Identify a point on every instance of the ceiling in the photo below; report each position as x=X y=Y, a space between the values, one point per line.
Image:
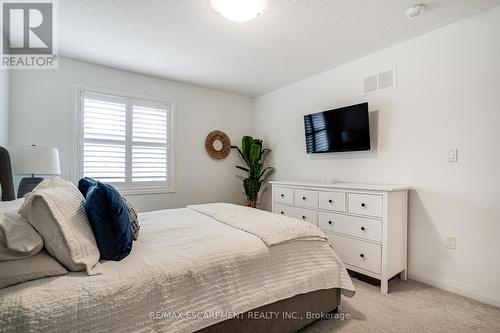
x=186 y=41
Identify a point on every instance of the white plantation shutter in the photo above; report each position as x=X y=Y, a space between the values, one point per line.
x=104 y=137
x=149 y=143
x=125 y=141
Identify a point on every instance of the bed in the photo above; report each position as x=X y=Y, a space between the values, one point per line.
x=187 y=272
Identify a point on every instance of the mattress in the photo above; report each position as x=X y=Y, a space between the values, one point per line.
x=187 y=271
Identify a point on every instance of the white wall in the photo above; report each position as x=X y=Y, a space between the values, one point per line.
x=448 y=96
x=41 y=109
x=4 y=107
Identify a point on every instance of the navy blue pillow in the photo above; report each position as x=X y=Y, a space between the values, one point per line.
x=110 y=221
x=84 y=184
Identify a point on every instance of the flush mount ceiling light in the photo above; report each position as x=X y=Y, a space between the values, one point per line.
x=415 y=10
x=239 y=10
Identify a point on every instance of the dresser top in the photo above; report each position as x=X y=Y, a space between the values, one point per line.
x=352 y=186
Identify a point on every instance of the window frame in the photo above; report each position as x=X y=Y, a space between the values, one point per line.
x=77 y=138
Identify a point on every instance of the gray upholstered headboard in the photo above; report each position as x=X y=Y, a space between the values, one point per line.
x=6 y=180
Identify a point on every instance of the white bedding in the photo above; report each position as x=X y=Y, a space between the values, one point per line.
x=273 y=229
x=187 y=271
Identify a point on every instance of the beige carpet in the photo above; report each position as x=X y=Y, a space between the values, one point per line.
x=409 y=307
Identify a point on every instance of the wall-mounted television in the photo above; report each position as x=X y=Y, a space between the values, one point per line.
x=338 y=130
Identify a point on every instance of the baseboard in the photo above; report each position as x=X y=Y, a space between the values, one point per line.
x=460 y=288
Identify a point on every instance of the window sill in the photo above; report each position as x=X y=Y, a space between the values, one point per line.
x=145 y=190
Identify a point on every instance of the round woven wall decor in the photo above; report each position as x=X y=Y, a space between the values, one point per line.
x=218 y=145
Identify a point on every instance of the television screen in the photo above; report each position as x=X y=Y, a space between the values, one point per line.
x=344 y=129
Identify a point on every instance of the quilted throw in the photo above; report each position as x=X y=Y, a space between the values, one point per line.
x=272 y=229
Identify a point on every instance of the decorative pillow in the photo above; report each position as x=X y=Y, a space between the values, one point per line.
x=84 y=184
x=58 y=215
x=109 y=219
x=38 y=266
x=18 y=239
x=134 y=220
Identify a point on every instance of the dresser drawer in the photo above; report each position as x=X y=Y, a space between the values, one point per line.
x=332 y=201
x=365 y=204
x=302 y=214
x=357 y=253
x=352 y=226
x=284 y=210
x=305 y=198
x=308 y=215
x=283 y=195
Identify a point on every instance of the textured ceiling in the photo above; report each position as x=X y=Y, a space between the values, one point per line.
x=185 y=40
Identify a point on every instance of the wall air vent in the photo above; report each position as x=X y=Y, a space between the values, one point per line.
x=371 y=84
x=379 y=82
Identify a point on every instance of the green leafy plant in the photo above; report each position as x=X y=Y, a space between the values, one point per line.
x=253 y=155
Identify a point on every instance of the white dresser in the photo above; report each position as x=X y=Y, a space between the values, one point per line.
x=366 y=224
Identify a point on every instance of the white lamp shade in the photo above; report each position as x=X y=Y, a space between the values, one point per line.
x=36 y=160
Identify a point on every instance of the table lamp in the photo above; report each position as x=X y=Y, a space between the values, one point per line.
x=33 y=160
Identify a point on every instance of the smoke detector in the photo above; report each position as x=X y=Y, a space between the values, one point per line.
x=415 y=11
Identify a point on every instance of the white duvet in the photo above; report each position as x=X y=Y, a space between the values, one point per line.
x=187 y=271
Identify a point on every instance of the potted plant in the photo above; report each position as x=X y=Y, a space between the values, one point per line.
x=253 y=155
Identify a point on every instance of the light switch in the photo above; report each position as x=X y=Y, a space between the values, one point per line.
x=450 y=242
x=453 y=155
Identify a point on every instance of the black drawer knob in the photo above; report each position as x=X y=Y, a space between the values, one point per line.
x=303 y=217
x=362 y=255
x=363 y=205
x=304 y=198
x=363 y=228
x=282 y=195
x=330 y=222
x=282 y=212
x=330 y=201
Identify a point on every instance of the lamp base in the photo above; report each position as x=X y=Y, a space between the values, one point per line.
x=27 y=185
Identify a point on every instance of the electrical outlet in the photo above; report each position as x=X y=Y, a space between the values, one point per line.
x=453 y=155
x=450 y=242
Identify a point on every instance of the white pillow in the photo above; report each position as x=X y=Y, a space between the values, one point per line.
x=58 y=215
x=53 y=183
x=18 y=239
x=7 y=206
x=38 y=266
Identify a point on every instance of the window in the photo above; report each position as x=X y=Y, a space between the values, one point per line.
x=125 y=141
